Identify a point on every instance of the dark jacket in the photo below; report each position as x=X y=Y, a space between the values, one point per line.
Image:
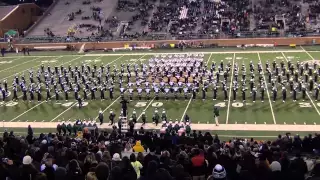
x=28 y=172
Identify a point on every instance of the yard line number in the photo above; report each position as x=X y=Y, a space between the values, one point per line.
x=234 y=104
x=143 y=104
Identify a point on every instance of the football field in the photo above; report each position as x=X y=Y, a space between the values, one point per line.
x=234 y=115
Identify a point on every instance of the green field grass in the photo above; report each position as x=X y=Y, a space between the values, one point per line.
x=199 y=111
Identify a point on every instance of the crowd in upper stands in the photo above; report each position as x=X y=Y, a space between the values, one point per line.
x=193 y=17
x=152 y=156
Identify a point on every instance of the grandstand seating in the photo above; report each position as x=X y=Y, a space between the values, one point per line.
x=59 y=21
x=207 y=18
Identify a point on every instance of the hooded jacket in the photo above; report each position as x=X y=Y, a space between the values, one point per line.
x=138 y=147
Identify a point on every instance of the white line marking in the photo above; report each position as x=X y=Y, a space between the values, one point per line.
x=88 y=94
x=185 y=111
x=26 y=111
x=146 y=108
x=108 y=107
x=208 y=59
x=64 y=111
x=305 y=52
x=306 y=91
x=34 y=67
x=266 y=84
x=230 y=87
x=19 y=64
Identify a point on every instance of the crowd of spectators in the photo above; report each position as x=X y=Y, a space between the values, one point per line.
x=141 y=13
x=149 y=155
x=290 y=14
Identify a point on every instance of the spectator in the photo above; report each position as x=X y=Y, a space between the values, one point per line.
x=198 y=165
x=150 y=157
x=140 y=157
x=127 y=170
x=116 y=173
x=316 y=172
x=180 y=174
x=28 y=171
x=74 y=171
x=275 y=167
x=102 y=171
x=218 y=173
x=298 y=168
x=60 y=173
x=116 y=160
x=91 y=176
x=137 y=166
x=150 y=171
x=138 y=147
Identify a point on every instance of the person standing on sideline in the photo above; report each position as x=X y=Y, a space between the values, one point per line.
x=216 y=115
x=100 y=117
x=124 y=103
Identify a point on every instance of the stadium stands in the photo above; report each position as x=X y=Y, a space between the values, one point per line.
x=69 y=17
x=148 y=155
x=182 y=19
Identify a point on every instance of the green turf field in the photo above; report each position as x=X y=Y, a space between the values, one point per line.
x=199 y=111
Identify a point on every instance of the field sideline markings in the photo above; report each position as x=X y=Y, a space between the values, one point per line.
x=25 y=112
x=266 y=84
x=27 y=69
x=185 y=111
x=231 y=81
x=208 y=59
x=51 y=59
x=19 y=64
x=43 y=101
x=88 y=93
x=146 y=108
x=108 y=107
x=306 y=91
x=205 y=52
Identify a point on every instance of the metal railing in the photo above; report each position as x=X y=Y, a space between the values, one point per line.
x=164 y=36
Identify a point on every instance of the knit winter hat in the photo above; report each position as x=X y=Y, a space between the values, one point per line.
x=219 y=172
x=275 y=166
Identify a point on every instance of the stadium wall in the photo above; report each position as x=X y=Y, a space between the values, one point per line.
x=20 y=18
x=218 y=42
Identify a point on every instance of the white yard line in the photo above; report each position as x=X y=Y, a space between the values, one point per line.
x=90 y=93
x=306 y=52
x=64 y=112
x=45 y=101
x=146 y=108
x=108 y=107
x=266 y=84
x=185 y=111
x=230 y=87
x=190 y=52
x=208 y=59
x=35 y=67
x=19 y=64
x=26 y=111
x=51 y=59
x=306 y=91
